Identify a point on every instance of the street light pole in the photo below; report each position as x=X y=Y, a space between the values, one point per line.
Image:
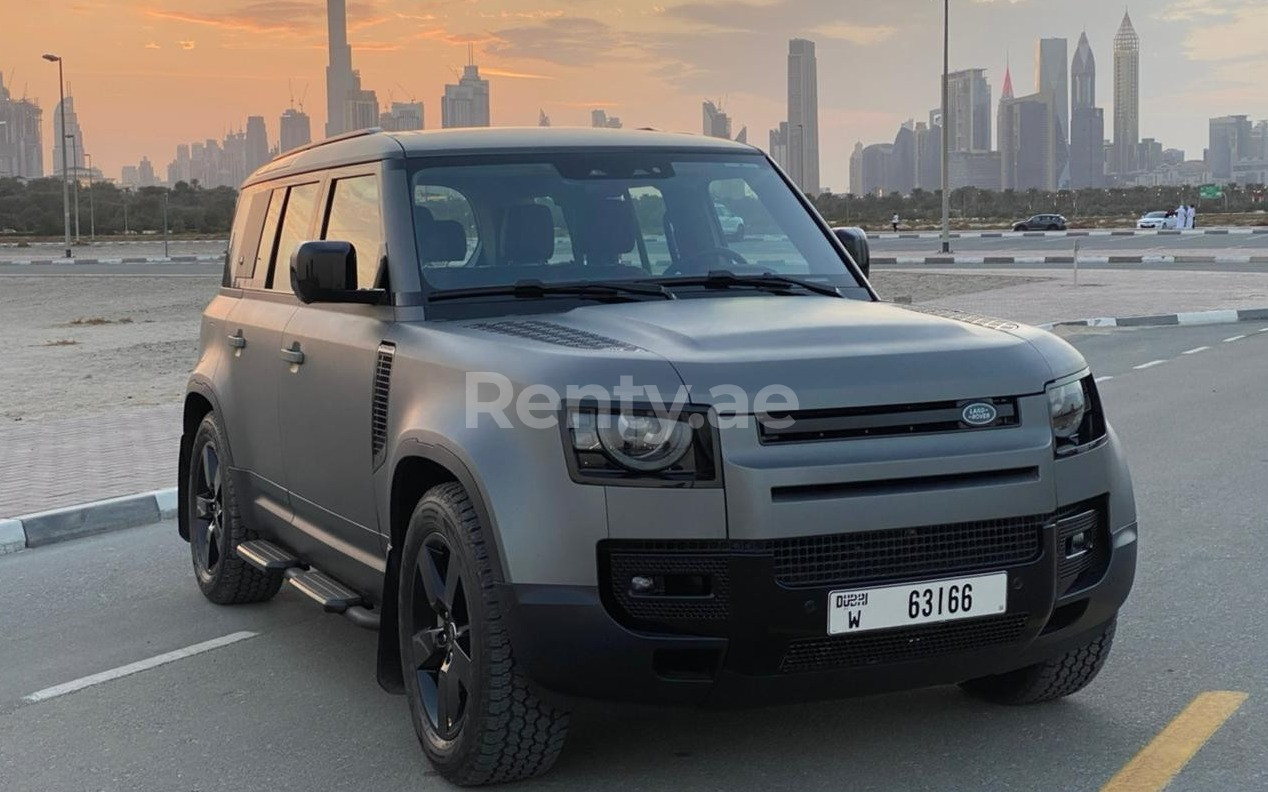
x=946 y=140
x=165 y=255
x=61 y=90
x=74 y=157
x=92 y=204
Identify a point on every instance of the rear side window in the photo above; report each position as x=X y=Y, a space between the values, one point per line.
x=268 y=238
x=244 y=237
x=297 y=226
x=355 y=217
x=444 y=226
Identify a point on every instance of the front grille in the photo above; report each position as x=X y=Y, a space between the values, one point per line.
x=908 y=553
x=889 y=420
x=901 y=645
x=714 y=607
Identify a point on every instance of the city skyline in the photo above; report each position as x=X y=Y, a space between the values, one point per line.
x=568 y=61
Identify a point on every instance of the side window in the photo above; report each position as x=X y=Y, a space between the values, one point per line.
x=649 y=209
x=563 y=237
x=241 y=243
x=749 y=229
x=355 y=217
x=297 y=224
x=444 y=227
x=268 y=238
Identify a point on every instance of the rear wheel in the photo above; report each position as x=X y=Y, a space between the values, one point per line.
x=1061 y=676
x=475 y=715
x=216 y=526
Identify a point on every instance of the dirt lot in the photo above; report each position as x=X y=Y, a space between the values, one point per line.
x=77 y=344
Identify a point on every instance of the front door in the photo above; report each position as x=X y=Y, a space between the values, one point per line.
x=325 y=396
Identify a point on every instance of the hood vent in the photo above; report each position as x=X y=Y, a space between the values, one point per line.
x=557 y=334
x=378 y=405
x=968 y=318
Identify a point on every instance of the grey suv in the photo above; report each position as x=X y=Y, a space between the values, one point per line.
x=522 y=402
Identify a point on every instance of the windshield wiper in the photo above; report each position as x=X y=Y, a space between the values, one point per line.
x=725 y=279
x=535 y=289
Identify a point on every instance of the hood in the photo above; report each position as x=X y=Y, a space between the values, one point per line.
x=828 y=352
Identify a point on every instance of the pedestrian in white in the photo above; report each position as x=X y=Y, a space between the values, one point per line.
x=1191 y=219
x=894 y=222
x=1181 y=215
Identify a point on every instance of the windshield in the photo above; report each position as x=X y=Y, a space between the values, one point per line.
x=1156 y=214
x=610 y=217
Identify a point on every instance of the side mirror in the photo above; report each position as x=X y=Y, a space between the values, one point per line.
x=326 y=271
x=855 y=242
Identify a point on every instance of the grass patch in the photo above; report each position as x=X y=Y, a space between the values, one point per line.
x=61 y=342
x=93 y=321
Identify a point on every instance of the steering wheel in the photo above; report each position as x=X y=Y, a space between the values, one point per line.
x=679 y=267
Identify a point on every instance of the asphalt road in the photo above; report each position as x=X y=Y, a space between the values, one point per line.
x=1056 y=245
x=295 y=706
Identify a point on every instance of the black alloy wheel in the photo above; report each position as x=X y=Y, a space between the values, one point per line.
x=440 y=646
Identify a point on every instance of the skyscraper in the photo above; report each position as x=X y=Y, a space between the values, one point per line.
x=803 y=115
x=257 y=142
x=21 y=137
x=75 y=157
x=296 y=130
x=1087 y=121
x=1028 y=142
x=1052 y=74
x=403 y=117
x=599 y=119
x=969 y=110
x=1126 y=97
x=779 y=146
x=716 y=123
x=543 y=120
x=467 y=103
x=341 y=80
x=1230 y=141
x=856 y=169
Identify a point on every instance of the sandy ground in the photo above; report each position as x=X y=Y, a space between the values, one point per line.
x=77 y=344
x=141 y=354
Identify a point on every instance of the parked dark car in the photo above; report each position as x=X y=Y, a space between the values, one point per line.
x=1042 y=222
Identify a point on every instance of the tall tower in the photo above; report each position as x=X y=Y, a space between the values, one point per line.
x=467 y=103
x=1052 y=75
x=340 y=79
x=1083 y=75
x=969 y=111
x=1087 y=121
x=803 y=115
x=1126 y=97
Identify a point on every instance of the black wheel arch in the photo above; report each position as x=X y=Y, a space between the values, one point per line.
x=417 y=467
x=199 y=402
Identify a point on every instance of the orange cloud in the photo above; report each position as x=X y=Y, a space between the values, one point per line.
x=494 y=72
x=186 y=45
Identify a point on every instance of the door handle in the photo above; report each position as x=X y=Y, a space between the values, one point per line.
x=293 y=355
x=237 y=340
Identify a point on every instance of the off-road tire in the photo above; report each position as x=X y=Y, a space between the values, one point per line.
x=507 y=732
x=232 y=581
x=1052 y=679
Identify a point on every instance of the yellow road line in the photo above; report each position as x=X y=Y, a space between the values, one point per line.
x=1152 y=769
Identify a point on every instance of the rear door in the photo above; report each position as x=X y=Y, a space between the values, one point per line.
x=254 y=337
x=326 y=401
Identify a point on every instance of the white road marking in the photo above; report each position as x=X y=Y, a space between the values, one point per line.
x=1231 y=339
x=1195 y=350
x=133 y=668
x=1104 y=379
x=1262 y=330
x=1150 y=364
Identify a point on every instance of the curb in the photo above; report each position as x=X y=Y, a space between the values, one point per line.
x=1078 y=232
x=1189 y=318
x=123 y=260
x=87 y=519
x=1066 y=259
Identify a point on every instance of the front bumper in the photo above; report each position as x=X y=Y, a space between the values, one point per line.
x=767 y=642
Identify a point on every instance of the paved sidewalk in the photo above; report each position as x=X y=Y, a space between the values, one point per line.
x=51 y=463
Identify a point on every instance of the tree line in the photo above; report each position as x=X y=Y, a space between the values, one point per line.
x=34 y=208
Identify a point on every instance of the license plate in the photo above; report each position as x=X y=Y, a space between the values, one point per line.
x=860 y=610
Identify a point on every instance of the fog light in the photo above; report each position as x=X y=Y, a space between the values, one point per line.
x=642 y=584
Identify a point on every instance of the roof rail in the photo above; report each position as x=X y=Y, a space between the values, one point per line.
x=319 y=143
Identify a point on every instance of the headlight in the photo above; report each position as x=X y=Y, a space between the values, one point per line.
x=639 y=447
x=1067 y=404
x=1075 y=412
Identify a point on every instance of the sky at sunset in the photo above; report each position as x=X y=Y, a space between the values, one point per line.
x=148 y=74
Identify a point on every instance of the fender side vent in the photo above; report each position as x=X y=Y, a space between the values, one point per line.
x=378 y=405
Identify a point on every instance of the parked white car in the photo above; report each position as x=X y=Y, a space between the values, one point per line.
x=1159 y=220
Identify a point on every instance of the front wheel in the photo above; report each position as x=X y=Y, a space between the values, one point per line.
x=1059 y=677
x=474 y=713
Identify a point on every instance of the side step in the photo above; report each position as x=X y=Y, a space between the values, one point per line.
x=266 y=556
x=332 y=595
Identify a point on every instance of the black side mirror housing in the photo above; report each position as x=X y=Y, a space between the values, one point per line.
x=855 y=242
x=326 y=271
